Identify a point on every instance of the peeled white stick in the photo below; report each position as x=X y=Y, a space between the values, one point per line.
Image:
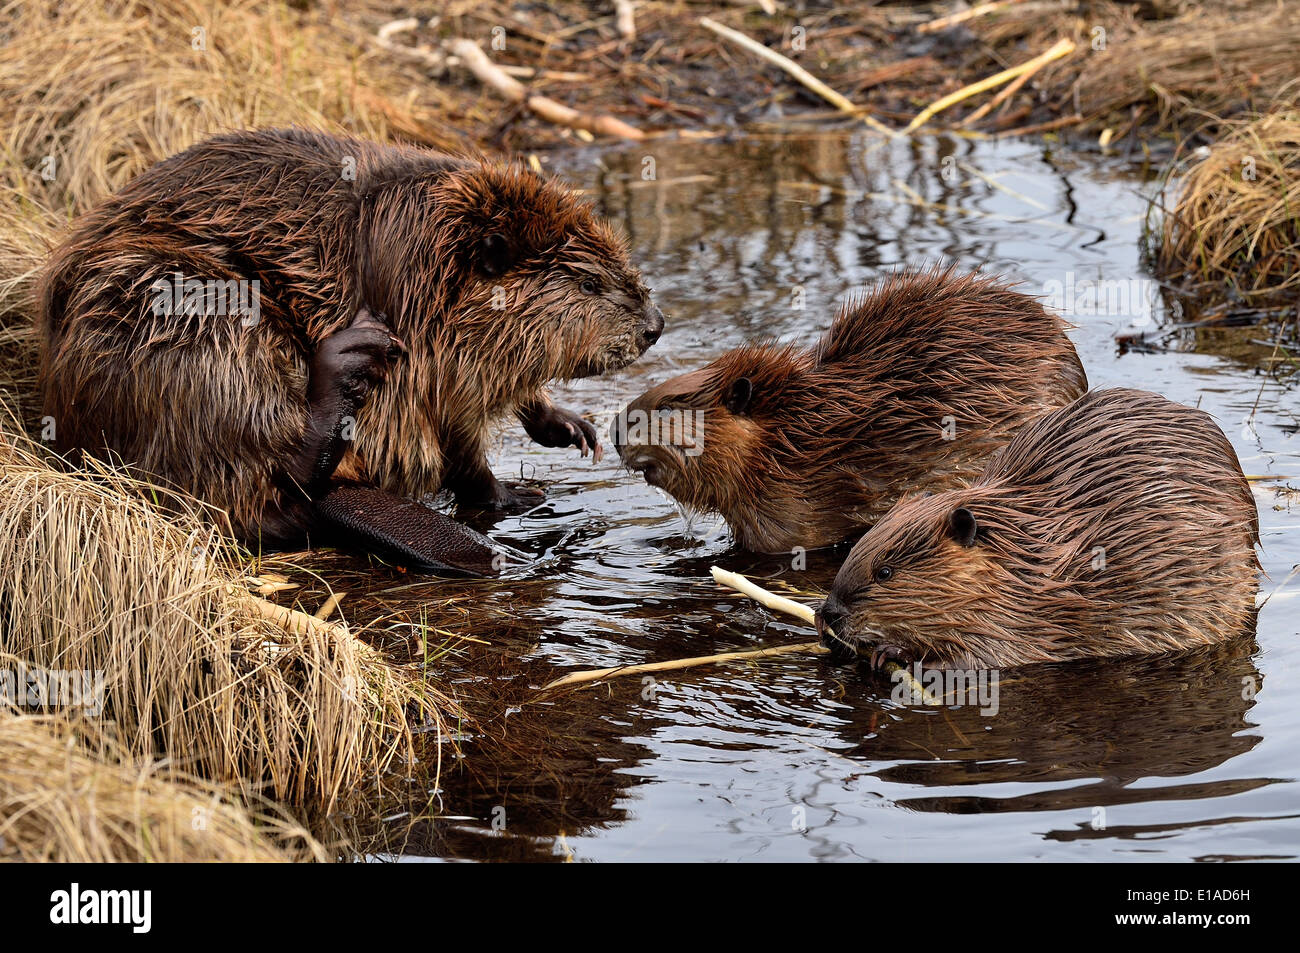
x=625 y=19
x=477 y=62
x=968 y=14
x=1063 y=47
x=291 y=620
x=770 y=600
x=805 y=78
x=734 y=580
x=597 y=674
x=332 y=603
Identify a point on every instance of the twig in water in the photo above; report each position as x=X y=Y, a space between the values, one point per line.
x=765 y=598
x=595 y=675
x=989 y=180
x=771 y=600
x=1295 y=571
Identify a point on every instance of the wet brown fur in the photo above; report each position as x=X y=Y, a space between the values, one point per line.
x=836 y=433
x=1119 y=525
x=214 y=407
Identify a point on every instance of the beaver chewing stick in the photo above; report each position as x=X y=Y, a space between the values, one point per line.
x=1121 y=524
x=308 y=330
x=912 y=387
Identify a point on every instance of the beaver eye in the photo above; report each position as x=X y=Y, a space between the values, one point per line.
x=884 y=574
x=588 y=287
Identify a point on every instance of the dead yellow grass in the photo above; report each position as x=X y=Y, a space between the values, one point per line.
x=93 y=578
x=59 y=804
x=1158 y=69
x=94 y=91
x=1208 y=62
x=106 y=89
x=1231 y=222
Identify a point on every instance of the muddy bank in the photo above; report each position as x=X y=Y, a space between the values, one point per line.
x=1138 y=77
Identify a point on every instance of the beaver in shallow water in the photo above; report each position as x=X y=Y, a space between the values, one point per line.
x=913 y=387
x=233 y=316
x=1118 y=525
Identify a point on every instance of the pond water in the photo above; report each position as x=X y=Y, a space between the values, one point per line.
x=1186 y=758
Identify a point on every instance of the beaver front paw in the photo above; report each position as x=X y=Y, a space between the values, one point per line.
x=553 y=426
x=350 y=363
x=344 y=370
x=518 y=496
x=513 y=497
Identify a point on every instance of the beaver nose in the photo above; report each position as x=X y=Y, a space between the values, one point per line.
x=830 y=620
x=654 y=326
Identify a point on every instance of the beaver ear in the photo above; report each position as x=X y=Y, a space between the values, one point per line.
x=742 y=390
x=962 y=526
x=495 y=255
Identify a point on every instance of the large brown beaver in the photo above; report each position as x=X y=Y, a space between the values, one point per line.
x=912 y=387
x=268 y=312
x=1121 y=524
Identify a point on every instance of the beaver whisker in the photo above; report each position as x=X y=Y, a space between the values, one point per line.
x=692 y=516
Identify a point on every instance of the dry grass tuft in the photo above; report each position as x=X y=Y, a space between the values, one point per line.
x=95 y=91
x=1211 y=61
x=94 y=578
x=1231 y=226
x=1160 y=68
x=59 y=804
x=106 y=89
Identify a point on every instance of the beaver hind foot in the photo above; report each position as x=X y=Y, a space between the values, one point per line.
x=408 y=532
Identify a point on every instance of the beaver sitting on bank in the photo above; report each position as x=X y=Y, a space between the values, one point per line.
x=1121 y=524
x=269 y=315
x=913 y=387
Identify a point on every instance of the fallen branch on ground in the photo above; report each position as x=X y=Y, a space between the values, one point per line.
x=437 y=61
x=962 y=16
x=1059 y=123
x=1063 y=47
x=488 y=73
x=1004 y=94
x=332 y=603
x=807 y=79
x=291 y=620
x=625 y=19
